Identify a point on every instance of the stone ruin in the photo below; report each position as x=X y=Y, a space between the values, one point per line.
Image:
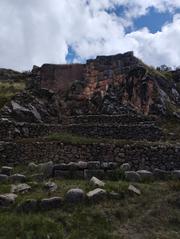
x=111 y=97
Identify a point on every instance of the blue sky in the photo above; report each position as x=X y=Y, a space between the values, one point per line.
x=68 y=31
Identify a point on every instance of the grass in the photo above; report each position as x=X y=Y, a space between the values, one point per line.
x=8 y=90
x=154 y=214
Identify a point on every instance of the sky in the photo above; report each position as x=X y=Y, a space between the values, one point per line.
x=33 y=32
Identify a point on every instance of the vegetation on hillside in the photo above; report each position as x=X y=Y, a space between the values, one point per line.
x=8 y=89
x=154 y=214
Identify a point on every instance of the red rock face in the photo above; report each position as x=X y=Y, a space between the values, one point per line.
x=60 y=77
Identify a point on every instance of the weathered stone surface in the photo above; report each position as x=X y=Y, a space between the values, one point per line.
x=32 y=167
x=17 y=178
x=51 y=203
x=176 y=174
x=145 y=175
x=125 y=167
x=50 y=186
x=97 y=195
x=132 y=176
x=6 y=170
x=82 y=165
x=3 y=178
x=46 y=169
x=96 y=182
x=29 y=205
x=75 y=195
x=20 y=188
x=7 y=199
x=134 y=190
x=89 y=173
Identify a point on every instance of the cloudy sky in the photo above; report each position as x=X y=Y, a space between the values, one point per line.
x=33 y=32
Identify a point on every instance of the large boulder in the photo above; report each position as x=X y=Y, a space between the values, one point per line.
x=7 y=200
x=75 y=195
x=145 y=175
x=132 y=176
x=51 y=203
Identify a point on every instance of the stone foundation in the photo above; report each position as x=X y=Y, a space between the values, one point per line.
x=139 y=156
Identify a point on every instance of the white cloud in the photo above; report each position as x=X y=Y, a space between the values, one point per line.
x=35 y=31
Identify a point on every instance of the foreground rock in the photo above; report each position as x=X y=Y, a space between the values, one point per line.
x=3 y=178
x=134 y=190
x=75 y=195
x=7 y=200
x=97 y=195
x=132 y=176
x=20 y=188
x=46 y=169
x=145 y=175
x=51 y=203
x=17 y=178
x=6 y=170
x=96 y=182
x=50 y=186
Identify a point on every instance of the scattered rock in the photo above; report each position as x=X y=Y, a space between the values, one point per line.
x=82 y=165
x=96 y=182
x=133 y=189
x=125 y=167
x=97 y=194
x=3 y=178
x=32 y=167
x=15 y=178
x=50 y=186
x=6 y=170
x=145 y=175
x=46 y=169
x=75 y=195
x=29 y=205
x=132 y=176
x=176 y=174
x=7 y=199
x=51 y=203
x=20 y=188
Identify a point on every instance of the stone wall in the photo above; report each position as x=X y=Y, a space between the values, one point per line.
x=140 y=156
x=60 y=77
x=13 y=130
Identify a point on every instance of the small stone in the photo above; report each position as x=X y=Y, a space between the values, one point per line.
x=50 y=186
x=125 y=167
x=133 y=189
x=20 y=188
x=75 y=195
x=97 y=194
x=96 y=182
x=6 y=170
x=7 y=199
x=32 y=167
x=51 y=203
x=29 y=205
x=17 y=178
x=176 y=174
x=145 y=175
x=132 y=176
x=46 y=169
x=3 y=178
x=82 y=165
